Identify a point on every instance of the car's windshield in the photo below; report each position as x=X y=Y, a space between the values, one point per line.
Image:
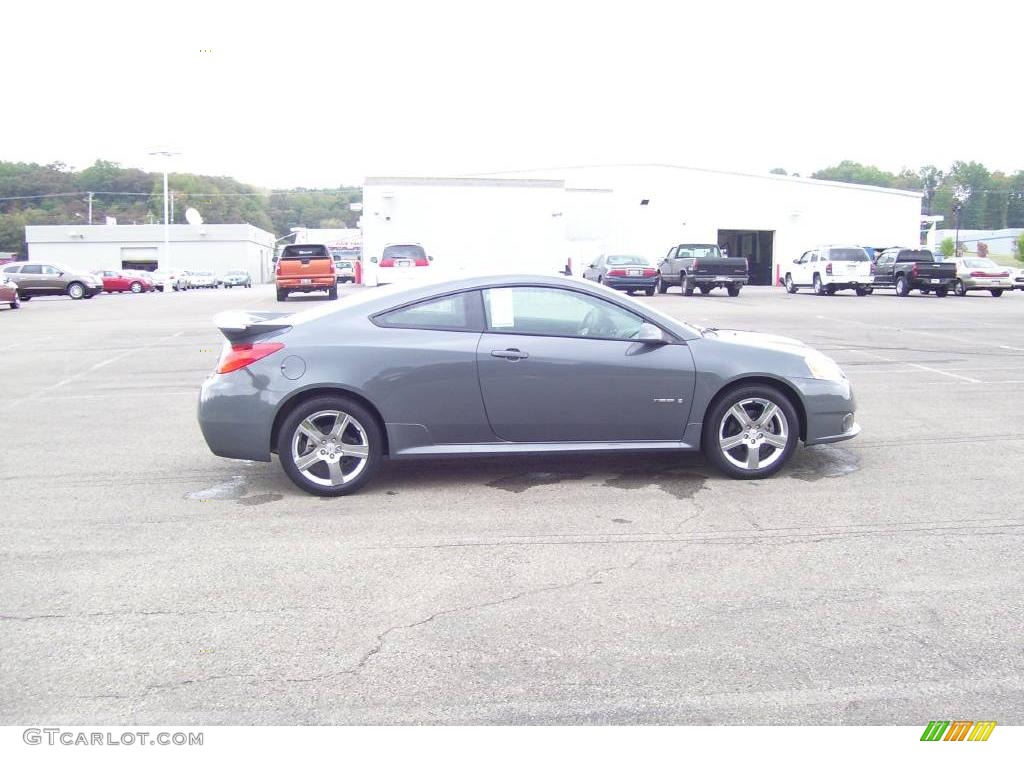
x=616 y=261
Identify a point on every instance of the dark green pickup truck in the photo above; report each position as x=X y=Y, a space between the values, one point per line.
x=701 y=266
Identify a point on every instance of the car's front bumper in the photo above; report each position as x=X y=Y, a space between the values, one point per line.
x=830 y=408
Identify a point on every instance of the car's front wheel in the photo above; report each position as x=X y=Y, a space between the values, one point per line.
x=16 y=301
x=791 y=287
x=662 y=286
x=959 y=288
x=330 y=446
x=136 y=287
x=76 y=290
x=751 y=432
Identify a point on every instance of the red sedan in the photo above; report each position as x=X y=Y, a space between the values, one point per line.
x=119 y=282
x=9 y=293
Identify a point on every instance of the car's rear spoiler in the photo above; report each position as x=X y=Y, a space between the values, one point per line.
x=239 y=325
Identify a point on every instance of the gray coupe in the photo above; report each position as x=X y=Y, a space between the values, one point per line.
x=520 y=364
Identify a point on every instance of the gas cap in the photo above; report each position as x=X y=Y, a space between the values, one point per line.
x=293 y=367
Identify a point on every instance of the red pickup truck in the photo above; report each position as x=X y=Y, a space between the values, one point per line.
x=305 y=268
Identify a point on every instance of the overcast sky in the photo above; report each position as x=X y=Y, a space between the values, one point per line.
x=317 y=94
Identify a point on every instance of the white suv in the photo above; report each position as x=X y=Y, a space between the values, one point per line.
x=832 y=268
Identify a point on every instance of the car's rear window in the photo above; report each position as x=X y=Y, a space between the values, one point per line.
x=617 y=261
x=915 y=256
x=404 y=252
x=453 y=313
x=848 y=254
x=980 y=264
x=305 y=252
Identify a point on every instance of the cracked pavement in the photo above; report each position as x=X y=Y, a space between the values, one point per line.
x=147 y=581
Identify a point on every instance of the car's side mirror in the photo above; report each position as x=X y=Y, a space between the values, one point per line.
x=592 y=266
x=796 y=261
x=430 y=258
x=651 y=334
x=373 y=259
x=273 y=260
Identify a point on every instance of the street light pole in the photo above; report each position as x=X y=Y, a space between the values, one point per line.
x=166 y=256
x=90 y=208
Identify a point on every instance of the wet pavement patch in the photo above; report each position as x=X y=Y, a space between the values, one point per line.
x=621 y=520
x=229 y=489
x=527 y=480
x=820 y=461
x=681 y=483
x=262 y=498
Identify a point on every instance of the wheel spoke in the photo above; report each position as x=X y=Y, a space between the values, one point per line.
x=728 y=443
x=357 y=451
x=341 y=423
x=753 y=456
x=775 y=441
x=307 y=461
x=334 y=469
x=740 y=415
x=767 y=415
x=310 y=430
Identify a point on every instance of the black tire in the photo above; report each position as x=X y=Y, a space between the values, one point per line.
x=24 y=297
x=136 y=287
x=684 y=283
x=713 y=424
x=734 y=290
x=365 y=419
x=997 y=292
x=791 y=287
x=863 y=291
x=648 y=291
x=16 y=304
x=942 y=292
x=76 y=291
x=959 y=288
x=662 y=286
x=332 y=293
x=902 y=286
x=819 y=289
x=282 y=295
x=925 y=291
x=629 y=291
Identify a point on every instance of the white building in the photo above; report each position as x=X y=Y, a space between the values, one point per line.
x=205 y=247
x=534 y=220
x=1000 y=242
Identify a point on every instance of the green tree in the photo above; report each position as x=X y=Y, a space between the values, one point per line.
x=855 y=173
x=1018 y=247
x=947 y=248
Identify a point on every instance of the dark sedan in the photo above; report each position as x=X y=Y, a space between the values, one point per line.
x=624 y=273
x=500 y=365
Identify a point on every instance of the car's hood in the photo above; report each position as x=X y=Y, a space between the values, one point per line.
x=754 y=339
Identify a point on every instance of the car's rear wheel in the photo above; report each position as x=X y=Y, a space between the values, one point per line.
x=791 y=287
x=330 y=446
x=925 y=291
x=942 y=292
x=629 y=292
x=649 y=291
x=902 y=286
x=863 y=291
x=751 y=431
x=734 y=290
x=16 y=301
x=997 y=292
x=959 y=288
x=686 y=285
x=819 y=289
x=332 y=293
x=282 y=295
x=76 y=290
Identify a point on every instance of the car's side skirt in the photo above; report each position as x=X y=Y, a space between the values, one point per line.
x=470 y=449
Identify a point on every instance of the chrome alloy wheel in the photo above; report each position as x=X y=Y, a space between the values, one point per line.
x=753 y=433
x=330 y=448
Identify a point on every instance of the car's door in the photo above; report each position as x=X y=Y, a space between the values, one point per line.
x=558 y=365
x=594 y=269
x=800 y=273
x=30 y=279
x=667 y=266
x=50 y=279
x=884 y=268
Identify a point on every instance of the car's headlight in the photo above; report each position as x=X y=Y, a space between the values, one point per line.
x=824 y=367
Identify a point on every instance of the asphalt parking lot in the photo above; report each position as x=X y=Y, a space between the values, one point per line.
x=877 y=581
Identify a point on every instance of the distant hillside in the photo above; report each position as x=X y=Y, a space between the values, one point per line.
x=56 y=194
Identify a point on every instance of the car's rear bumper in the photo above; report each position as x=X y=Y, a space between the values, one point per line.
x=849 y=282
x=314 y=284
x=719 y=281
x=630 y=283
x=979 y=283
x=234 y=417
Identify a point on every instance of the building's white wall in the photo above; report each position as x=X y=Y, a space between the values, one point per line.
x=210 y=247
x=467 y=225
x=1000 y=241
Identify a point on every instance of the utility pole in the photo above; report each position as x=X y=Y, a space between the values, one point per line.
x=172 y=207
x=165 y=257
x=90 y=208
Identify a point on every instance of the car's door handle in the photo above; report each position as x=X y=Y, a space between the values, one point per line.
x=509 y=354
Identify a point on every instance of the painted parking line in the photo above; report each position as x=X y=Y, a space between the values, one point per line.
x=27 y=341
x=930 y=334
x=945 y=373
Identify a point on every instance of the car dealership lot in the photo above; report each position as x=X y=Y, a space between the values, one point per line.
x=877 y=581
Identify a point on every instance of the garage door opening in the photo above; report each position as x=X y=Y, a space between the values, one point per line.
x=139 y=258
x=753 y=245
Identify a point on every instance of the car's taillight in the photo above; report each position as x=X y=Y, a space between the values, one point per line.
x=828 y=268
x=871 y=268
x=650 y=272
x=278 y=270
x=422 y=263
x=240 y=355
x=913 y=270
x=387 y=262
x=616 y=273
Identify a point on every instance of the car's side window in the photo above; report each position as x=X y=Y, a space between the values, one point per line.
x=32 y=269
x=805 y=257
x=539 y=311
x=12 y=269
x=457 y=312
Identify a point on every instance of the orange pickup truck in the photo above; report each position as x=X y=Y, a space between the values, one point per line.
x=305 y=268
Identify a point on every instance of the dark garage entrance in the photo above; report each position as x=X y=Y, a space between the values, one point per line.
x=753 y=245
